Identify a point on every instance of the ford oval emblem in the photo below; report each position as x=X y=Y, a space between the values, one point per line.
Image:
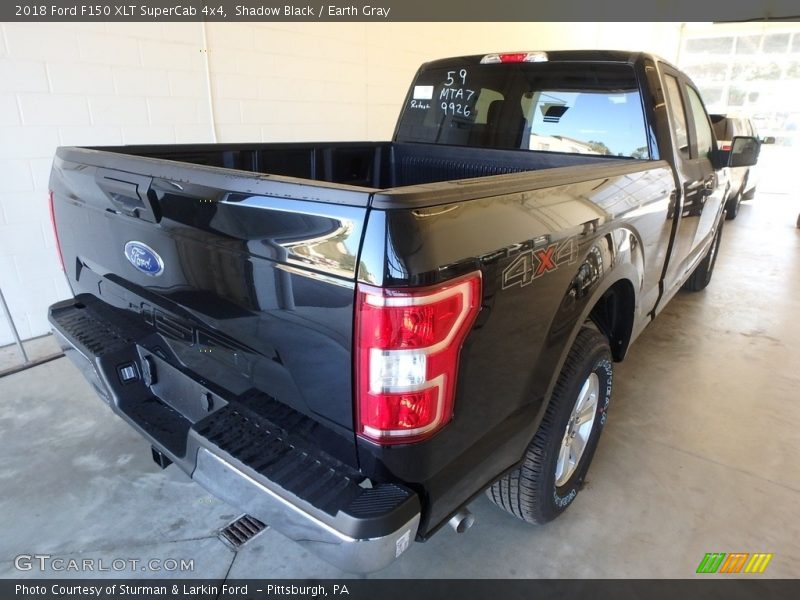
x=144 y=258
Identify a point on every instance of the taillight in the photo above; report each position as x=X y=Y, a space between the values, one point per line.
x=725 y=146
x=408 y=343
x=514 y=57
x=55 y=232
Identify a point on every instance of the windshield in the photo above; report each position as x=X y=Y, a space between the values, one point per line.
x=577 y=108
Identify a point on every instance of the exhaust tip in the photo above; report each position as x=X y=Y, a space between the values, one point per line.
x=462 y=520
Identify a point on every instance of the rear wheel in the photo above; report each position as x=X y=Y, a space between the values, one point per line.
x=559 y=456
x=701 y=276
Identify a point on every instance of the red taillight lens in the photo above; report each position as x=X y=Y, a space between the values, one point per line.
x=408 y=411
x=725 y=146
x=513 y=57
x=415 y=326
x=408 y=343
x=55 y=231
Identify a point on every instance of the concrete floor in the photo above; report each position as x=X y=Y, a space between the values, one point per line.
x=36 y=349
x=700 y=454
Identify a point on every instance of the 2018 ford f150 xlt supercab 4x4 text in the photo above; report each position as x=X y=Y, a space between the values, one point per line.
x=350 y=341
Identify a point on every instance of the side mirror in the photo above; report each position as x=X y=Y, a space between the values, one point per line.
x=768 y=140
x=744 y=152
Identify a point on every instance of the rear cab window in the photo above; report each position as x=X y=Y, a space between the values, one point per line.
x=578 y=108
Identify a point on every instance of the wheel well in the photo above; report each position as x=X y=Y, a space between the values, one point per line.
x=613 y=316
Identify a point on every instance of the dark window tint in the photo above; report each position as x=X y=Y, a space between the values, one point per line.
x=564 y=107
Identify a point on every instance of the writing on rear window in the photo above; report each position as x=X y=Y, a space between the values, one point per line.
x=574 y=108
x=454 y=95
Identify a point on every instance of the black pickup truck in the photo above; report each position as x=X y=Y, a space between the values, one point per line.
x=350 y=341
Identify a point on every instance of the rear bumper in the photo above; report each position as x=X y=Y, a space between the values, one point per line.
x=254 y=464
x=356 y=555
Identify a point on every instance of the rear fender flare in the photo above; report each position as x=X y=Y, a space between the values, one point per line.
x=620 y=251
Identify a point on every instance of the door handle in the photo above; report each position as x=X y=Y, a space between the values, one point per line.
x=129 y=193
x=703 y=189
x=709 y=185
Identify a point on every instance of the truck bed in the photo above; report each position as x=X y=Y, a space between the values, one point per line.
x=261 y=247
x=372 y=165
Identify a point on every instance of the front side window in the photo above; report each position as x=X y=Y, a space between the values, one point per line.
x=548 y=107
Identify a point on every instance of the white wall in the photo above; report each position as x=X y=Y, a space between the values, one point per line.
x=125 y=83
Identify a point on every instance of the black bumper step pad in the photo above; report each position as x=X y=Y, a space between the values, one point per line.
x=107 y=337
x=97 y=328
x=302 y=470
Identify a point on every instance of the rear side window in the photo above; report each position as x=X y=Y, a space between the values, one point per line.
x=579 y=108
x=705 y=139
x=677 y=115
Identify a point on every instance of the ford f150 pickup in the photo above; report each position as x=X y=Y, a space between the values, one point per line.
x=350 y=341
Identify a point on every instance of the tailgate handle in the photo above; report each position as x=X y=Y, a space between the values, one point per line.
x=129 y=193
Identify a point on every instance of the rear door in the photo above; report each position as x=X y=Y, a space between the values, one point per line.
x=697 y=181
x=703 y=146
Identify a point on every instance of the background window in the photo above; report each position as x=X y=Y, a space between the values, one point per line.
x=758 y=78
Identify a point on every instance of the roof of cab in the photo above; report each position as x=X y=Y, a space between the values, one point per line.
x=618 y=56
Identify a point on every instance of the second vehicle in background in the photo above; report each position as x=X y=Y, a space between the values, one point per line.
x=743 y=179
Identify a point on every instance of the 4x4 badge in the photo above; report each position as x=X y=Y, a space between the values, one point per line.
x=534 y=263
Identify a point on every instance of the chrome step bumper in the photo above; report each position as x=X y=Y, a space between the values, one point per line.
x=355 y=555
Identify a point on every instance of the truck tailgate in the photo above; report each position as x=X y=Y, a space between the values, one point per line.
x=242 y=281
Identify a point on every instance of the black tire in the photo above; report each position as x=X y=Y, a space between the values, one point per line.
x=732 y=206
x=747 y=195
x=530 y=492
x=701 y=276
